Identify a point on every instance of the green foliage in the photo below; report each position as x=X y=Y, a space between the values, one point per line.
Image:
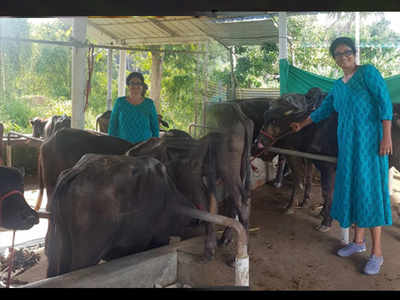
x=52 y=64
x=45 y=70
x=309 y=43
x=178 y=93
x=14 y=114
x=14 y=54
x=255 y=65
x=381 y=53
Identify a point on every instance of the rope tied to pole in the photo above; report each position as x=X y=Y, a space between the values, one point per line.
x=10 y=261
x=90 y=72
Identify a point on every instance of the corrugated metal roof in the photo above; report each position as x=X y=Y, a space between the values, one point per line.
x=140 y=30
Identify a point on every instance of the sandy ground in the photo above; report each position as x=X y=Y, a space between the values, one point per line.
x=286 y=253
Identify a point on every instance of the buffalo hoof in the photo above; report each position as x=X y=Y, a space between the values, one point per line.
x=322 y=228
x=231 y=262
x=289 y=211
x=227 y=237
x=305 y=204
x=278 y=185
x=205 y=259
x=209 y=255
x=224 y=242
x=316 y=210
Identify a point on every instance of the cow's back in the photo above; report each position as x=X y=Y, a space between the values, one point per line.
x=63 y=149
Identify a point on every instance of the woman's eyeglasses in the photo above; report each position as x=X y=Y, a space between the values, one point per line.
x=345 y=53
x=130 y=83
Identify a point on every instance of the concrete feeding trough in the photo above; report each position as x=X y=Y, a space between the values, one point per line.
x=175 y=265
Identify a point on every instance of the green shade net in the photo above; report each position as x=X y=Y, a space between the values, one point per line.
x=295 y=80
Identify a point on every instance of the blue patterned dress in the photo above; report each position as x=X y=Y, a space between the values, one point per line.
x=134 y=123
x=361 y=194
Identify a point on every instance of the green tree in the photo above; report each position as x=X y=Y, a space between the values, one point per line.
x=14 y=55
x=52 y=63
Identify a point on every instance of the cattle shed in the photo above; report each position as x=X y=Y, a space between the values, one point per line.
x=173 y=265
x=128 y=33
x=152 y=33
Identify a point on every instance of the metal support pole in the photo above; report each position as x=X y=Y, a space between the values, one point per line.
x=155 y=77
x=331 y=159
x=283 y=52
x=357 y=39
x=205 y=97
x=78 y=73
x=109 y=79
x=121 y=74
x=233 y=81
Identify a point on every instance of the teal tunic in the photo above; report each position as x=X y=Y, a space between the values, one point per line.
x=134 y=123
x=361 y=194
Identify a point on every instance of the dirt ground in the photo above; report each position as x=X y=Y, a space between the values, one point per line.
x=286 y=253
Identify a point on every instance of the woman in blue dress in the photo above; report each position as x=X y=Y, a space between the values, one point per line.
x=361 y=194
x=134 y=117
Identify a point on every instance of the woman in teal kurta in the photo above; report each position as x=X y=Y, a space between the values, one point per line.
x=361 y=195
x=134 y=118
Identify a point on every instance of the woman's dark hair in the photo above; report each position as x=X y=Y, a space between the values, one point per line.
x=140 y=76
x=342 y=41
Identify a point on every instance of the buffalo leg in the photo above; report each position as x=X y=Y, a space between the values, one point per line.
x=308 y=168
x=211 y=240
x=296 y=164
x=327 y=184
x=229 y=212
x=280 y=171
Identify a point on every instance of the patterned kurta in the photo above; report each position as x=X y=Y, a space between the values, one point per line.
x=361 y=194
x=134 y=123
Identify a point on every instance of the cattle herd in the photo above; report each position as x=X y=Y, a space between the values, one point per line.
x=108 y=198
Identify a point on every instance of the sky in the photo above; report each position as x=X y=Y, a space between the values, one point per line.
x=393 y=17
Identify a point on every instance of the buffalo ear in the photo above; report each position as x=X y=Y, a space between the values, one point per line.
x=267 y=115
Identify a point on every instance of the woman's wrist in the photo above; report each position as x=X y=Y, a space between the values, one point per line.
x=305 y=122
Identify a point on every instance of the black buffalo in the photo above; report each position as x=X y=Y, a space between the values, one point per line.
x=56 y=123
x=38 y=127
x=109 y=206
x=63 y=150
x=394 y=158
x=45 y=128
x=317 y=138
x=15 y=213
x=232 y=156
x=102 y=121
x=193 y=168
